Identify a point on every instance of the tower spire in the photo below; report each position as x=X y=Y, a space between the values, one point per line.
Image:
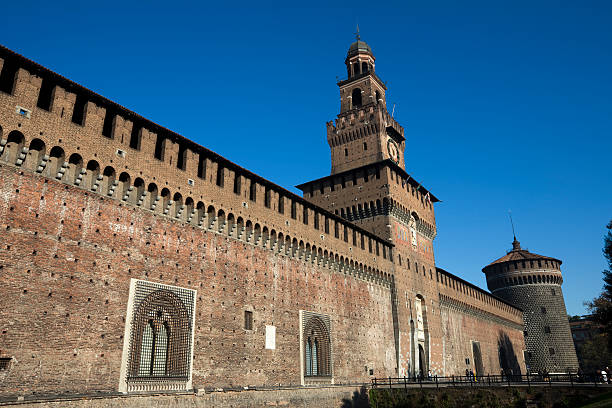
x=516 y=246
x=357 y=35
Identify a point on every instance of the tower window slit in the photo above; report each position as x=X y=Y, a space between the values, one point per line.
x=253 y=191
x=237 y=183
x=220 y=175
x=201 y=166
x=181 y=161
x=8 y=75
x=109 y=124
x=135 y=136
x=78 y=113
x=45 y=96
x=268 y=197
x=281 y=204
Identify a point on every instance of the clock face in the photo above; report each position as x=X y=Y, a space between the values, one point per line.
x=393 y=150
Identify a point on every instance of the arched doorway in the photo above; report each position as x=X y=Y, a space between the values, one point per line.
x=422 y=362
x=477 y=358
x=421 y=338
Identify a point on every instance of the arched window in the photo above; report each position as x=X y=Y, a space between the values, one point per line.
x=378 y=99
x=309 y=357
x=356 y=97
x=364 y=67
x=317 y=346
x=161 y=336
x=146 y=350
x=154 y=350
x=160 y=350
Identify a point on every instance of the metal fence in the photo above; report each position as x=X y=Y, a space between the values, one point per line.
x=550 y=380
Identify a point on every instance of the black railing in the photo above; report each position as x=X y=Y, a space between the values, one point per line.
x=529 y=380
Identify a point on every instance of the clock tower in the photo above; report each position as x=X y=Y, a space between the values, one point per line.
x=364 y=131
x=369 y=186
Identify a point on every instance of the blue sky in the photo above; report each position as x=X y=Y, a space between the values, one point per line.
x=505 y=105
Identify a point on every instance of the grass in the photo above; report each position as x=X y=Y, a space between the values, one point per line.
x=603 y=401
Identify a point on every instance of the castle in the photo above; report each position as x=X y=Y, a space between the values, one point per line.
x=135 y=260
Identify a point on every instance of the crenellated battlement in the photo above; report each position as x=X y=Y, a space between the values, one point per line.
x=454 y=288
x=61 y=130
x=339 y=137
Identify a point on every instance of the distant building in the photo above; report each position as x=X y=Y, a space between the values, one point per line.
x=584 y=328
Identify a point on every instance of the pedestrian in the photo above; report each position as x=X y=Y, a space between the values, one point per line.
x=429 y=375
x=467 y=374
x=471 y=375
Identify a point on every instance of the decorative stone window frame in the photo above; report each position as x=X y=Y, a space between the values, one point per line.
x=179 y=356
x=306 y=317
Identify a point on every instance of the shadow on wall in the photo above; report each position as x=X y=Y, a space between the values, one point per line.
x=508 y=360
x=360 y=400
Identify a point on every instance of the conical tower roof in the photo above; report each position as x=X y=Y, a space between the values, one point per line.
x=519 y=254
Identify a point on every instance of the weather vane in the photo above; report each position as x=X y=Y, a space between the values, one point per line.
x=357 y=36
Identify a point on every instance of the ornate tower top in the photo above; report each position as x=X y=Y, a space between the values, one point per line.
x=359 y=58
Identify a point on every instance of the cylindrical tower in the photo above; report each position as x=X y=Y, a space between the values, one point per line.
x=533 y=283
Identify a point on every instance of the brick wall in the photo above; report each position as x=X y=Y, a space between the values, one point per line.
x=66 y=260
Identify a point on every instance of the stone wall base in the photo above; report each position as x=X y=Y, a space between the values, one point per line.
x=321 y=397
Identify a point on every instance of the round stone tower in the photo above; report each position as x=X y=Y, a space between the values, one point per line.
x=533 y=283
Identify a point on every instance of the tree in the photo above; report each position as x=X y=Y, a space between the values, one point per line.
x=601 y=307
x=593 y=354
